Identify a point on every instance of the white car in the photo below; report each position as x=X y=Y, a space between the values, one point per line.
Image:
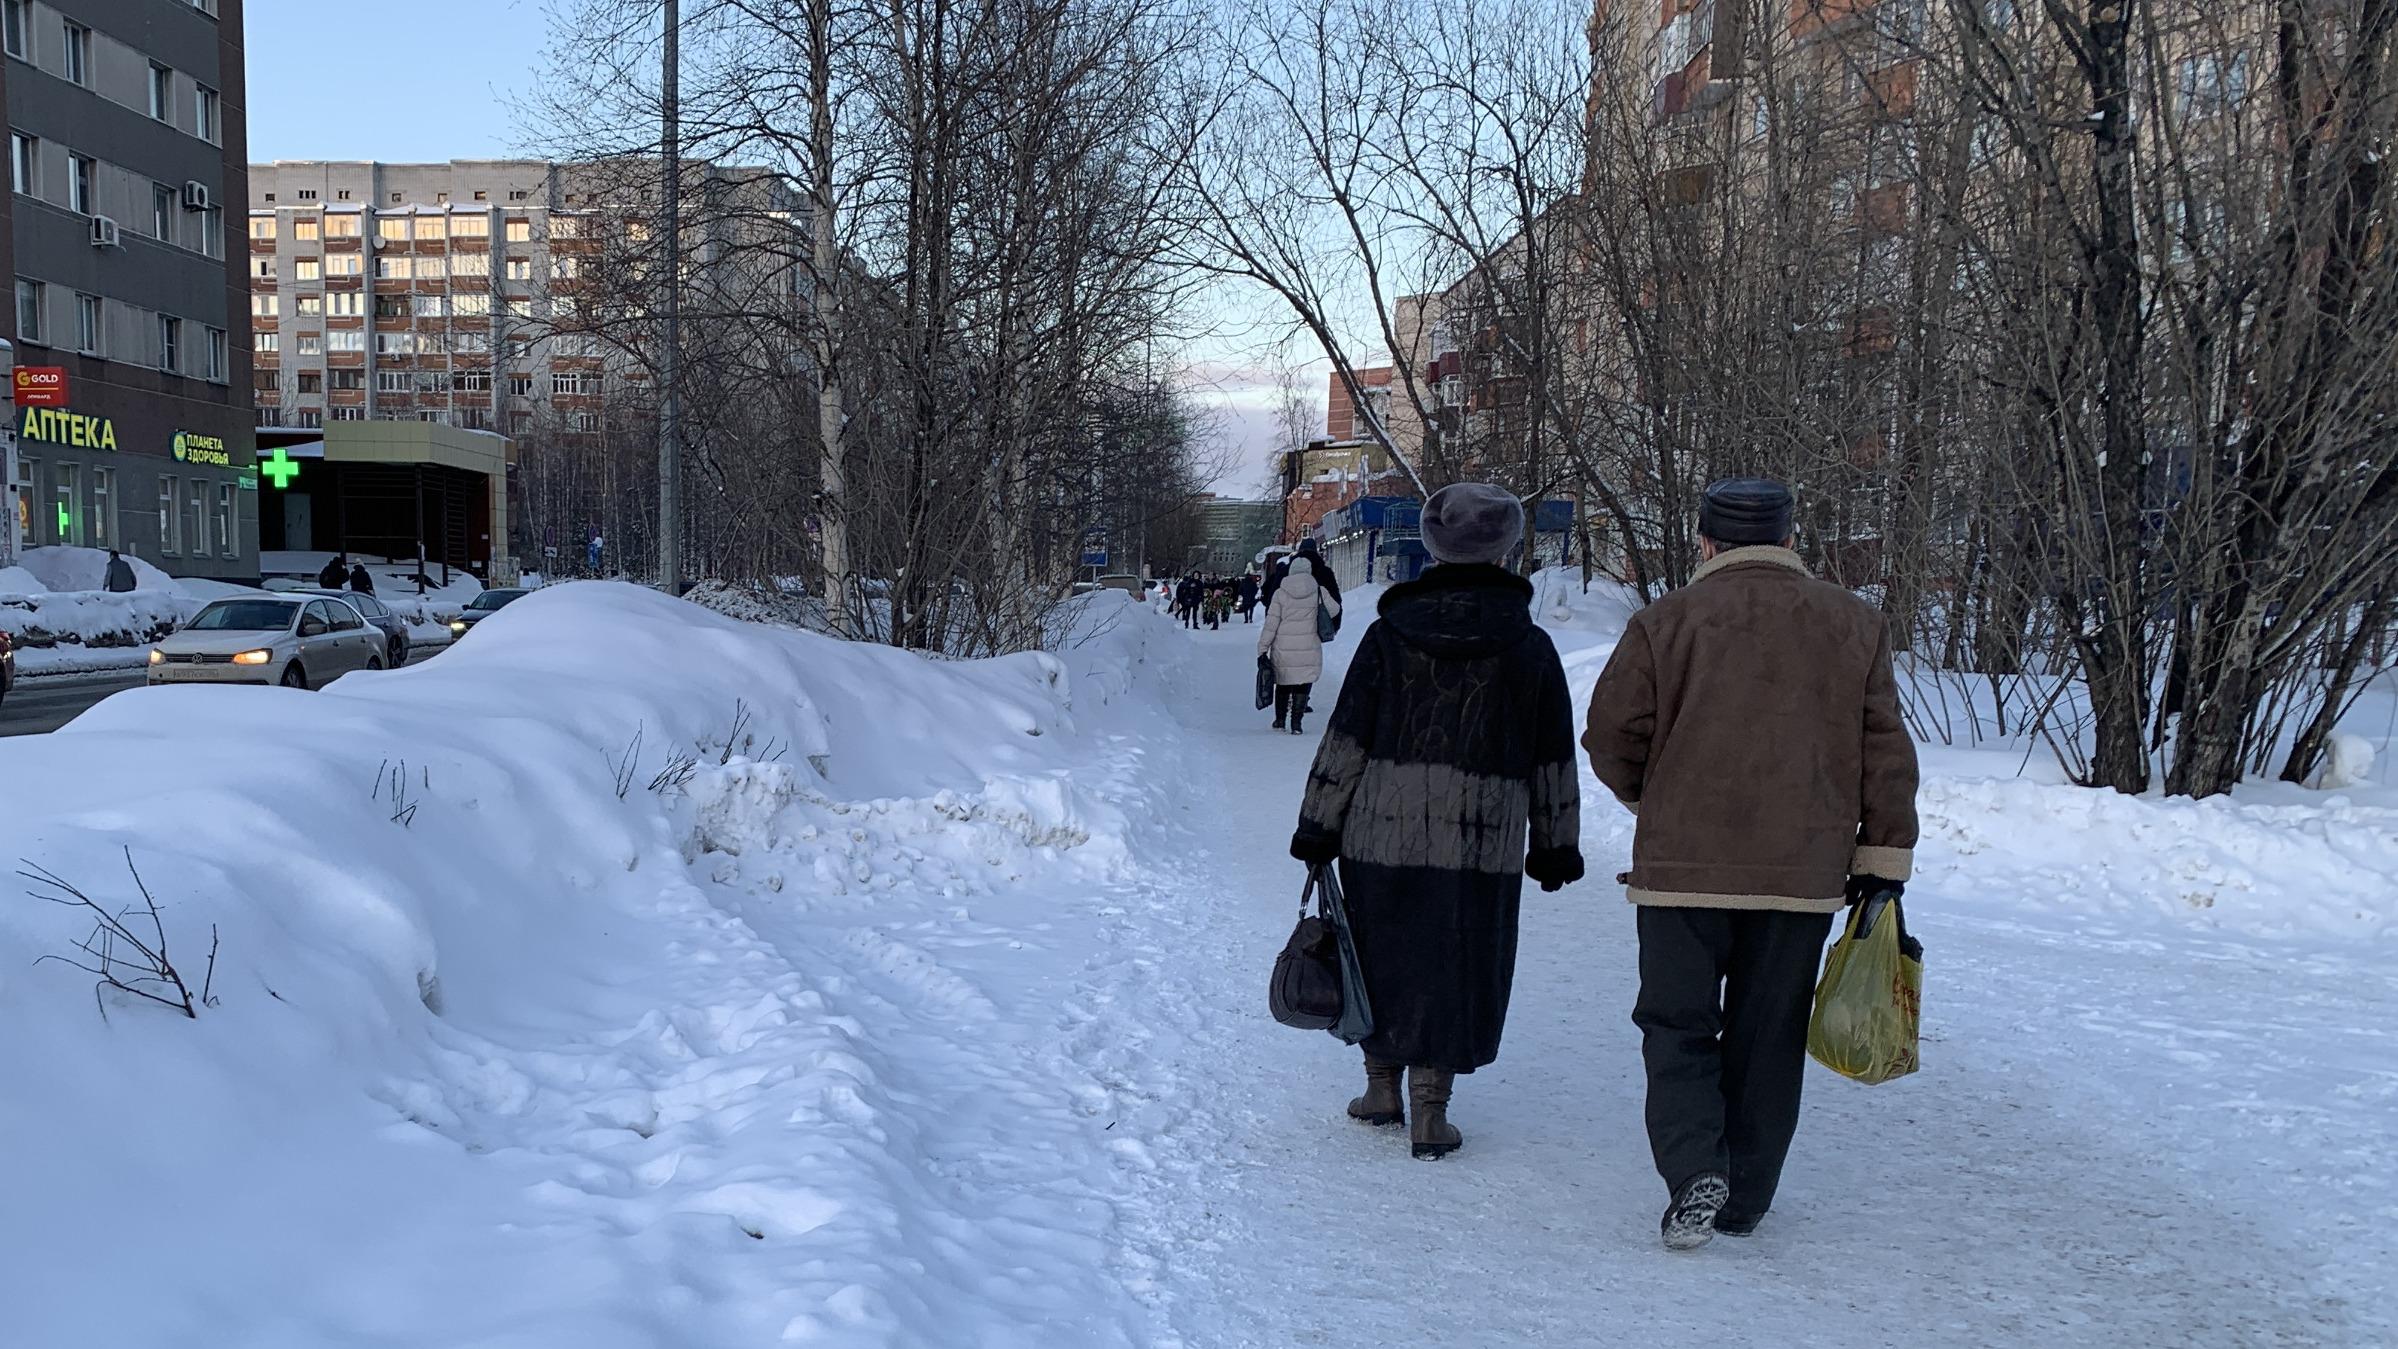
x=299 y=642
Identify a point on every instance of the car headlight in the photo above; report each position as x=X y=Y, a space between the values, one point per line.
x=457 y=625
x=157 y=657
x=253 y=657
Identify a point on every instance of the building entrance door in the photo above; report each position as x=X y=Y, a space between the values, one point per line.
x=299 y=519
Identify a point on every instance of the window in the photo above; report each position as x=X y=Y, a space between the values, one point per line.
x=520 y=231
x=262 y=269
x=398 y=197
x=215 y=355
x=341 y=226
x=68 y=481
x=342 y=194
x=432 y=415
x=399 y=268
x=12 y=18
x=470 y=264
x=310 y=418
x=349 y=414
x=442 y=197
x=262 y=227
x=518 y=196
x=345 y=339
x=637 y=231
x=163 y=205
x=308 y=306
x=87 y=323
x=311 y=344
x=391 y=227
x=29 y=310
x=476 y=226
x=395 y=344
x=169 y=542
x=304 y=229
x=565 y=227
x=432 y=226
x=565 y=268
x=24 y=163
x=78 y=55
x=212 y=231
x=574 y=344
x=473 y=381
x=266 y=344
x=582 y=421
x=307 y=194
x=519 y=306
x=520 y=386
x=431 y=269
x=471 y=343
x=344 y=264
x=79 y=184
x=28 y=473
x=226 y=544
x=391 y=306
x=351 y=380
x=102 y=526
x=394 y=381
x=308 y=269
x=574 y=382
x=431 y=344
x=195 y=499
x=470 y=304
x=345 y=304
x=431 y=306
x=520 y=269
x=204 y=107
x=162 y=93
x=170 y=342
x=312 y=381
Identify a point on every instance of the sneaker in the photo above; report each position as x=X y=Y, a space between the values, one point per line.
x=1689 y=1221
x=1738 y=1224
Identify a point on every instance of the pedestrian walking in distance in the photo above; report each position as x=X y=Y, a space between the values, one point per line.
x=360 y=581
x=120 y=574
x=1450 y=751
x=1249 y=597
x=1752 y=722
x=334 y=572
x=1289 y=639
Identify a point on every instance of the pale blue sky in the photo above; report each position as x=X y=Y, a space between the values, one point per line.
x=355 y=80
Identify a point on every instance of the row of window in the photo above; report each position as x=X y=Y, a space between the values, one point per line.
x=26 y=38
x=116 y=331
x=92 y=186
x=413 y=344
x=478 y=419
x=405 y=267
x=264 y=225
x=196 y=516
x=353 y=379
x=343 y=194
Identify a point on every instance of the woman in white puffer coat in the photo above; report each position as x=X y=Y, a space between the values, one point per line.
x=1289 y=640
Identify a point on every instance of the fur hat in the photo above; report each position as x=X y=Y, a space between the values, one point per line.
x=1472 y=522
x=1741 y=511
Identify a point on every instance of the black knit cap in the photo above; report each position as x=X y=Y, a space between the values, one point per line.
x=1742 y=511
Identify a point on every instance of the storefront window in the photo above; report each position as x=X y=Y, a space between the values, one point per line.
x=225 y=545
x=168 y=541
x=195 y=503
x=28 y=473
x=103 y=527
x=68 y=479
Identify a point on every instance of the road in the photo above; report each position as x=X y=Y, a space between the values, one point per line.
x=40 y=704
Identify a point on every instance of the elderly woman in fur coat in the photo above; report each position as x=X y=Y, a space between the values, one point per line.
x=1446 y=775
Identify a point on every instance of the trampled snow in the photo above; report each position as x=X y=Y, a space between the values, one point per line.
x=634 y=976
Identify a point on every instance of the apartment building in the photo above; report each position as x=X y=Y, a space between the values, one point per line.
x=458 y=292
x=126 y=139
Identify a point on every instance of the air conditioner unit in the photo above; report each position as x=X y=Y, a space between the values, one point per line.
x=105 y=233
x=195 y=196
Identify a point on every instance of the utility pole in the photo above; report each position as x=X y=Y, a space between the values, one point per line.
x=670 y=357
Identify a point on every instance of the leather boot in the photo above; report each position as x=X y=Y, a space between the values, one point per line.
x=1428 y=1099
x=1381 y=1104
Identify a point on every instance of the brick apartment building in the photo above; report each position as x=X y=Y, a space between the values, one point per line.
x=126 y=143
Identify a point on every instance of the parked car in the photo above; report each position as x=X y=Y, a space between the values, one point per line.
x=299 y=642
x=377 y=613
x=8 y=666
x=1124 y=581
x=484 y=606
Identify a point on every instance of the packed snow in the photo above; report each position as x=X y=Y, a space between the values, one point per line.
x=637 y=976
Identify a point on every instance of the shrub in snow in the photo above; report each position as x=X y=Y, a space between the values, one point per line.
x=126 y=949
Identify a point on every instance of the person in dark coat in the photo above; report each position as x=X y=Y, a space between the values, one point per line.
x=120 y=574
x=335 y=572
x=360 y=581
x=1248 y=597
x=1450 y=750
x=1330 y=583
x=1186 y=601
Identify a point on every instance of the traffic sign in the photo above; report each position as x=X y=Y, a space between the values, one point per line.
x=41 y=386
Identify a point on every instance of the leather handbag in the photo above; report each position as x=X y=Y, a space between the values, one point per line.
x=1317 y=982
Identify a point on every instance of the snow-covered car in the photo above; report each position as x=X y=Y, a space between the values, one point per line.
x=484 y=606
x=375 y=612
x=299 y=642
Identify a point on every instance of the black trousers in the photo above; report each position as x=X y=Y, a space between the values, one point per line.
x=1724 y=1000
x=1289 y=701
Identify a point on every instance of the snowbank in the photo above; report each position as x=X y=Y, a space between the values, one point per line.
x=551 y=1005
x=57 y=610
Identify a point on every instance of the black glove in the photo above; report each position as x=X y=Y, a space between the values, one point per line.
x=1315 y=849
x=1862 y=888
x=1554 y=868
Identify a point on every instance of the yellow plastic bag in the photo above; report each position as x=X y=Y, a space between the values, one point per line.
x=1870 y=1002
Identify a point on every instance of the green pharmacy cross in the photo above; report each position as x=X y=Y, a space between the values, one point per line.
x=280 y=467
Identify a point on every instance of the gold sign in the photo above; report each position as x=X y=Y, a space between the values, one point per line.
x=61 y=427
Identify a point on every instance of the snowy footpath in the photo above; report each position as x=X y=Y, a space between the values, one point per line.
x=635 y=977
